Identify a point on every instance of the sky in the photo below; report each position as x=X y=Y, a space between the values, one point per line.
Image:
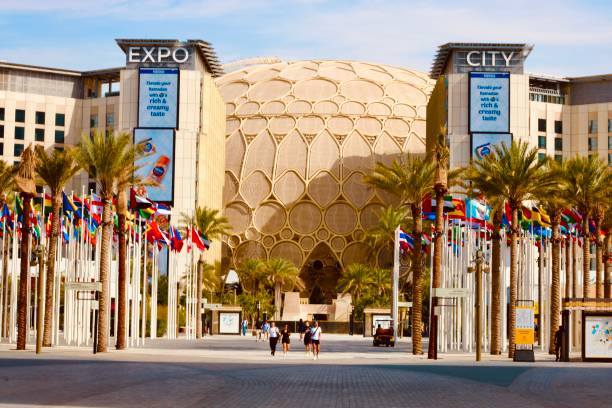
x=571 y=37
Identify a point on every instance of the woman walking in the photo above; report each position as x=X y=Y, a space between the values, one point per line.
x=285 y=333
x=274 y=334
x=316 y=340
x=307 y=339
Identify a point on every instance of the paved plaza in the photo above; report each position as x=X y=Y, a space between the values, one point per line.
x=231 y=371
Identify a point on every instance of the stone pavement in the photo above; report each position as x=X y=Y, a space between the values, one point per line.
x=229 y=371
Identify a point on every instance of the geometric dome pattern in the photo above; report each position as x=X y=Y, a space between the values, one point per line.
x=300 y=137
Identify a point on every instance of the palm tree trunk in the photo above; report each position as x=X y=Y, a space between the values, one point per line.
x=514 y=237
x=607 y=266
x=555 y=289
x=24 y=275
x=107 y=231
x=199 y=297
x=586 y=257
x=277 y=300
x=5 y=254
x=50 y=284
x=496 y=284
x=417 y=273
x=122 y=275
x=574 y=270
x=599 y=290
x=568 y=277
x=436 y=278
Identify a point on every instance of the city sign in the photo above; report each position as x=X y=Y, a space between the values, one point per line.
x=488 y=58
x=489 y=102
x=157 y=55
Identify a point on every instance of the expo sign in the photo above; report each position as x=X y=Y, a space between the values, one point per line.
x=157 y=54
x=488 y=58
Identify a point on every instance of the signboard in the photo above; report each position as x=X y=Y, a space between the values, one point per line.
x=157 y=163
x=449 y=292
x=157 y=55
x=229 y=322
x=482 y=143
x=489 y=102
x=84 y=286
x=404 y=304
x=158 y=98
x=524 y=330
x=597 y=341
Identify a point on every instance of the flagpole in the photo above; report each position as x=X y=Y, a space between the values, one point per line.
x=396 y=267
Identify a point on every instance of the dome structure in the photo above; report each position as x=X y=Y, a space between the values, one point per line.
x=300 y=137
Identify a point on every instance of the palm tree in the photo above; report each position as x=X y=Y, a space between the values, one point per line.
x=553 y=202
x=412 y=180
x=55 y=168
x=381 y=280
x=587 y=182
x=107 y=158
x=25 y=182
x=514 y=174
x=355 y=279
x=599 y=212
x=282 y=274
x=383 y=234
x=212 y=225
x=7 y=185
x=251 y=274
x=607 y=254
x=497 y=213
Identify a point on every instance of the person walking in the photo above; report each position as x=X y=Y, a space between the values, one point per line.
x=559 y=343
x=265 y=330
x=245 y=326
x=301 y=328
x=258 y=330
x=285 y=340
x=307 y=338
x=274 y=335
x=316 y=340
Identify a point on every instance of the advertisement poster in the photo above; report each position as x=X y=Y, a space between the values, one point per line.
x=490 y=102
x=598 y=336
x=482 y=143
x=229 y=323
x=524 y=331
x=158 y=98
x=157 y=164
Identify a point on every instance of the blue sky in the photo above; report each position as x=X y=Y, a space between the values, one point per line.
x=571 y=38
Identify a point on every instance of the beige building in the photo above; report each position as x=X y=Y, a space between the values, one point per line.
x=56 y=107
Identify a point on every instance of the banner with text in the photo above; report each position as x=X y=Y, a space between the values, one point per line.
x=483 y=143
x=158 y=98
x=490 y=102
x=157 y=164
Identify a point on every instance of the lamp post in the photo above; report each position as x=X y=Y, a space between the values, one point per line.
x=479 y=267
x=38 y=259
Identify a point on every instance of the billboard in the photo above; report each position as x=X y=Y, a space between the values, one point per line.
x=229 y=322
x=597 y=342
x=158 y=98
x=524 y=330
x=489 y=102
x=482 y=143
x=157 y=163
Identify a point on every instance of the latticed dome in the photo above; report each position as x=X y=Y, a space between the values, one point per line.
x=300 y=137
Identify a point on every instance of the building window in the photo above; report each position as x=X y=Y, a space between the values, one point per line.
x=559 y=158
x=610 y=142
x=39 y=135
x=609 y=124
x=609 y=158
x=541 y=125
x=541 y=156
x=20 y=115
x=592 y=143
x=93 y=121
x=1 y=131
x=542 y=142
x=558 y=143
x=1 y=113
x=1 y=149
x=60 y=119
x=59 y=148
x=592 y=126
x=59 y=136
x=558 y=126
x=91 y=186
x=18 y=149
x=40 y=118
x=110 y=120
x=19 y=132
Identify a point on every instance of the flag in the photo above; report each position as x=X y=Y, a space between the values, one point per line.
x=405 y=241
x=176 y=241
x=154 y=233
x=139 y=202
x=48 y=204
x=97 y=205
x=476 y=210
x=162 y=209
x=459 y=209
x=197 y=240
x=146 y=213
x=70 y=208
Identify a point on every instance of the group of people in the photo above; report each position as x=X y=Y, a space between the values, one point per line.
x=311 y=335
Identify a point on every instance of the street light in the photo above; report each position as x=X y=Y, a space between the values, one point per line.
x=479 y=267
x=38 y=259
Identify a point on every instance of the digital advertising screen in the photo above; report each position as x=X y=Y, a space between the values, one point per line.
x=156 y=166
x=158 y=98
x=489 y=102
x=483 y=143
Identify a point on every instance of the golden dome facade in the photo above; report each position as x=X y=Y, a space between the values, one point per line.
x=300 y=137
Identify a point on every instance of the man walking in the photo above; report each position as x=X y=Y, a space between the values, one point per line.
x=559 y=343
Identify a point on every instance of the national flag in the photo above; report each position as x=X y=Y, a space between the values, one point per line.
x=572 y=216
x=162 y=209
x=405 y=241
x=459 y=209
x=70 y=209
x=48 y=204
x=476 y=210
x=139 y=202
x=176 y=241
x=201 y=243
x=97 y=205
x=154 y=233
x=146 y=213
